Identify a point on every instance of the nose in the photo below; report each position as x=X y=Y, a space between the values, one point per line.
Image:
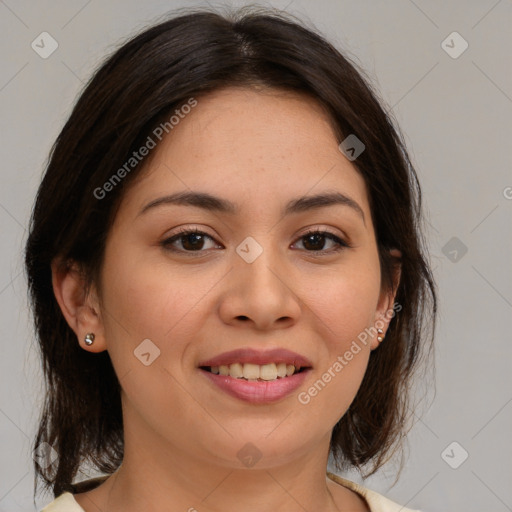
x=260 y=290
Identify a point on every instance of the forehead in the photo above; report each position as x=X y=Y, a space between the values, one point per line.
x=241 y=143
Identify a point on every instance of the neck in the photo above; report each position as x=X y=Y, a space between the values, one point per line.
x=151 y=479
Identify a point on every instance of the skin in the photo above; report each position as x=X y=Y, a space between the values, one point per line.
x=258 y=149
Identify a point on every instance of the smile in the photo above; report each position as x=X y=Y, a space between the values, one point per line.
x=252 y=372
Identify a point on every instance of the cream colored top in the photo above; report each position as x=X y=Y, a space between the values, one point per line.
x=376 y=502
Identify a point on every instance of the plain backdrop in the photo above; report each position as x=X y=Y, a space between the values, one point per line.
x=454 y=106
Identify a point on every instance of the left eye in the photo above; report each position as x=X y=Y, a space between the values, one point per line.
x=193 y=240
x=316 y=237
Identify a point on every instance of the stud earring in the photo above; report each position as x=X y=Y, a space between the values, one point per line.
x=379 y=337
x=89 y=338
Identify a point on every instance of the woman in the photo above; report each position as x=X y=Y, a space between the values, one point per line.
x=227 y=276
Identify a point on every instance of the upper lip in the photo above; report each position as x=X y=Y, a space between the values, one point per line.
x=259 y=357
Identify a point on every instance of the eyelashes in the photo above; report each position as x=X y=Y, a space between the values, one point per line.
x=193 y=241
x=315 y=234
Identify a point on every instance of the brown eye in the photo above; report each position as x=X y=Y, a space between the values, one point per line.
x=191 y=240
x=314 y=241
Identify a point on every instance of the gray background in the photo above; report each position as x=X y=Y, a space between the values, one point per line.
x=455 y=114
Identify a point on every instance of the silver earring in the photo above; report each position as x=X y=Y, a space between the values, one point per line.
x=89 y=338
x=379 y=337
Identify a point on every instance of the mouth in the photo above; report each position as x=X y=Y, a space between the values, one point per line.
x=252 y=364
x=255 y=376
x=255 y=372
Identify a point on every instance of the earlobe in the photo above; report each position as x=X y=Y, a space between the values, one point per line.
x=386 y=306
x=80 y=309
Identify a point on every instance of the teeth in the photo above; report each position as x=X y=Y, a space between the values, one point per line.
x=268 y=372
x=250 y=371
x=236 y=370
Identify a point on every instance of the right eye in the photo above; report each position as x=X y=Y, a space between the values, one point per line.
x=191 y=240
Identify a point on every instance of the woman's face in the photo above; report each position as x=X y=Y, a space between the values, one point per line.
x=251 y=280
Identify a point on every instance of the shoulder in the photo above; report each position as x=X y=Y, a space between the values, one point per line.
x=376 y=501
x=64 y=503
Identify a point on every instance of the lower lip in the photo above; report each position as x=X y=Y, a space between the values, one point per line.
x=257 y=392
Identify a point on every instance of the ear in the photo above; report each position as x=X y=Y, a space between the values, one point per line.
x=80 y=310
x=386 y=308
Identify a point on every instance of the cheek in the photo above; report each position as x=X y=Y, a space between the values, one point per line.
x=345 y=302
x=151 y=301
x=329 y=396
x=343 y=305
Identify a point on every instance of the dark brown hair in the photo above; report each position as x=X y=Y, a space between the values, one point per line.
x=144 y=81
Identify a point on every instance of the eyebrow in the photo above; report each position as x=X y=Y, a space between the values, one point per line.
x=217 y=204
